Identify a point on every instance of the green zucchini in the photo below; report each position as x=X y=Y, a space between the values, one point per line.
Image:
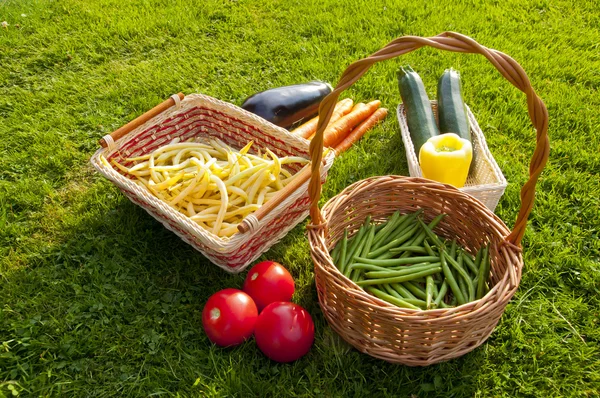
x=419 y=115
x=452 y=112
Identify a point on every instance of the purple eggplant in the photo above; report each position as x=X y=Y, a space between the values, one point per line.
x=284 y=106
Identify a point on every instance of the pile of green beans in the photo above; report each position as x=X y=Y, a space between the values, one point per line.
x=405 y=263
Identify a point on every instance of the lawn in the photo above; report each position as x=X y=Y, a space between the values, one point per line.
x=97 y=299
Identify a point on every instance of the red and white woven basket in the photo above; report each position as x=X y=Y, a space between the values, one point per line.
x=200 y=116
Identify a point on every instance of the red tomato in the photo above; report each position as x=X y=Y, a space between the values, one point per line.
x=284 y=331
x=268 y=282
x=229 y=317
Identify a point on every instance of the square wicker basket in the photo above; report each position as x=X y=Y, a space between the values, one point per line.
x=485 y=181
x=200 y=116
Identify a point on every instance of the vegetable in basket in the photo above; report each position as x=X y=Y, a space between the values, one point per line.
x=211 y=183
x=446 y=158
x=402 y=261
x=284 y=106
x=419 y=115
x=452 y=112
x=331 y=137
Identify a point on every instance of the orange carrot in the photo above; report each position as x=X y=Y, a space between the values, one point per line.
x=360 y=130
x=335 y=133
x=309 y=128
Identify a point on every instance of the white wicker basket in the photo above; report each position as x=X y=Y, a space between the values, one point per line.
x=485 y=181
x=200 y=116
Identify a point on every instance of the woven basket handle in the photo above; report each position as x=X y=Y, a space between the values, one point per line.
x=455 y=42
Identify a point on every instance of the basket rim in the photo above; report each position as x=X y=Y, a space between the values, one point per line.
x=471 y=307
x=223 y=246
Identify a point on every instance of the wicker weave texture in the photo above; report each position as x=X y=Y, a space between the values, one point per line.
x=412 y=337
x=486 y=181
x=200 y=116
x=415 y=337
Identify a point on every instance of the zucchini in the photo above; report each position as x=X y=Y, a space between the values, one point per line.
x=419 y=115
x=452 y=112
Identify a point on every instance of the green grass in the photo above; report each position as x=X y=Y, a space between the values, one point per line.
x=98 y=299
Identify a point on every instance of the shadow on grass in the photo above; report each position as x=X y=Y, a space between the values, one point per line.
x=113 y=305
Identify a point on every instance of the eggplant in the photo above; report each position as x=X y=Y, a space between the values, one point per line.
x=284 y=106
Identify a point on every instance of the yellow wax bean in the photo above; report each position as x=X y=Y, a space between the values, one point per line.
x=190 y=209
x=168 y=183
x=256 y=186
x=138 y=158
x=238 y=191
x=172 y=167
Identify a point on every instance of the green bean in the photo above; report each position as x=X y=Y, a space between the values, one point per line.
x=355 y=241
x=453 y=249
x=415 y=289
x=434 y=238
x=418 y=241
x=399 y=287
x=453 y=301
x=478 y=259
x=419 y=303
x=379 y=227
x=361 y=245
x=428 y=248
x=428 y=292
x=397 y=261
x=363 y=241
x=407 y=220
x=484 y=272
x=412 y=248
x=392 y=291
x=406 y=235
x=469 y=287
x=388 y=230
x=354 y=274
x=460 y=279
x=421 y=237
x=388 y=227
x=369 y=241
x=414 y=301
x=401 y=278
x=366 y=267
x=335 y=253
x=440 y=296
x=450 y=278
x=343 y=250
x=399 y=230
x=468 y=281
x=467 y=259
x=390 y=299
x=405 y=271
x=462 y=286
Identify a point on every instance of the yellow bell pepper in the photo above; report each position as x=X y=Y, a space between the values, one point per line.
x=446 y=158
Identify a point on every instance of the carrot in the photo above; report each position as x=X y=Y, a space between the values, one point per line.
x=308 y=129
x=360 y=130
x=335 y=133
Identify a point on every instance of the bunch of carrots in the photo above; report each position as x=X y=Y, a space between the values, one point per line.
x=348 y=123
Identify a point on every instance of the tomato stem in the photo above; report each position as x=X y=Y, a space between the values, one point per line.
x=215 y=314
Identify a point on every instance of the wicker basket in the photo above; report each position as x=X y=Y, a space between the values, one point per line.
x=485 y=181
x=200 y=116
x=415 y=337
